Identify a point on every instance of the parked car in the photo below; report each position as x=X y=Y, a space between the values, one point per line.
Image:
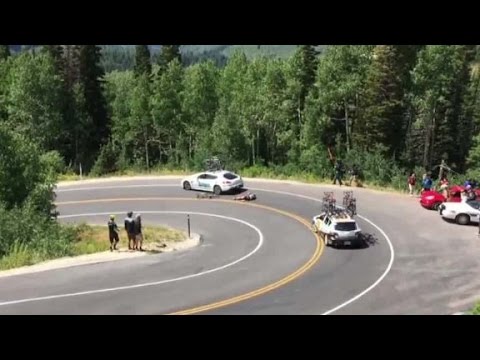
x=433 y=199
x=462 y=212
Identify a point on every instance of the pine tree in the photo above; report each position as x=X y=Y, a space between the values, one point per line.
x=142 y=60
x=307 y=71
x=91 y=80
x=168 y=54
x=4 y=52
x=383 y=121
x=56 y=52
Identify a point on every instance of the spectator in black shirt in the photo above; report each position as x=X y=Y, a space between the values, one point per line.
x=113 y=233
x=130 y=229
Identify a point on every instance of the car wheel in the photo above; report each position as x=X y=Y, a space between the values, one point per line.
x=217 y=190
x=463 y=219
x=187 y=186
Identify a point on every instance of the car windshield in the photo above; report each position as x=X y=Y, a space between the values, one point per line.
x=346 y=226
x=230 y=176
x=474 y=204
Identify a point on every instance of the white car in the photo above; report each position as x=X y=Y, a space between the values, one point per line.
x=337 y=228
x=213 y=181
x=462 y=212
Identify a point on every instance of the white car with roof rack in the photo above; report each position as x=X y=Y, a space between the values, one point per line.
x=215 y=181
x=337 y=227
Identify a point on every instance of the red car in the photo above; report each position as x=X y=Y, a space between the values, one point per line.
x=433 y=199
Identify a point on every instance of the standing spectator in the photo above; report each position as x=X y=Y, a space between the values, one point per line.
x=138 y=233
x=412 y=181
x=353 y=175
x=471 y=195
x=427 y=183
x=113 y=233
x=130 y=229
x=444 y=186
x=338 y=172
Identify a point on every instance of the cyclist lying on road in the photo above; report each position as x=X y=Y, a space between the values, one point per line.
x=247 y=196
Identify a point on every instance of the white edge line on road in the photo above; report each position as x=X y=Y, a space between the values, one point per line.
x=89 y=292
x=375 y=284
x=115 y=187
x=370 y=288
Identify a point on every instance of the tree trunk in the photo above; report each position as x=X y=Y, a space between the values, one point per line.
x=253 y=150
x=428 y=140
x=347 y=127
x=147 y=160
x=190 y=148
x=258 y=141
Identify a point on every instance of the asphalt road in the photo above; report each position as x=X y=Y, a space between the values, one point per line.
x=258 y=259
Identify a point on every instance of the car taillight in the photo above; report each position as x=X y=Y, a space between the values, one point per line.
x=227 y=182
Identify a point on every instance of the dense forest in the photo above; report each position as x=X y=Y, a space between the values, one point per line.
x=398 y=105
x=389 y=109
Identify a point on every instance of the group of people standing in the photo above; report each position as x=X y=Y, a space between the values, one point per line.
x=133 y=228
x=427 y=182
x=339 y=171
x=468 y=193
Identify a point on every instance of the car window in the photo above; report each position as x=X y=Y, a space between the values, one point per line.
x=474 y=204
x=346 y=226
x=202 y=176
x=230 y=176
x=210 y=177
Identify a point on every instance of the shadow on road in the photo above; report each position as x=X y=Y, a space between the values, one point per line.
x=366 y=241
x=226 y=195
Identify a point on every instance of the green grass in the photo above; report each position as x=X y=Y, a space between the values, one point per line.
x=21 y=256
x=475 y=310
x=95 y=238
x=90 y=239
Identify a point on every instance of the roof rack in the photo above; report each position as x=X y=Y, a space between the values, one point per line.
x=329 y=205
x=213 y=164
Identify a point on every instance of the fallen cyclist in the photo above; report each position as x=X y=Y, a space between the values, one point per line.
x=247 y=196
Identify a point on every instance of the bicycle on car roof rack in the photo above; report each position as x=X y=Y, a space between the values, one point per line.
x=350 y=203
x=213 y=164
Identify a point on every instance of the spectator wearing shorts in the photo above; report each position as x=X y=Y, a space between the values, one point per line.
x=130 y=229
x=138 y=233
x=412 y=181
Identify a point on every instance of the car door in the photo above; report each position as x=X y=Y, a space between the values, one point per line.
x=325 y=225
x=210 y=181
x=198 y=181
x=474 y=210
x=319 y=222
x=201 y=182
